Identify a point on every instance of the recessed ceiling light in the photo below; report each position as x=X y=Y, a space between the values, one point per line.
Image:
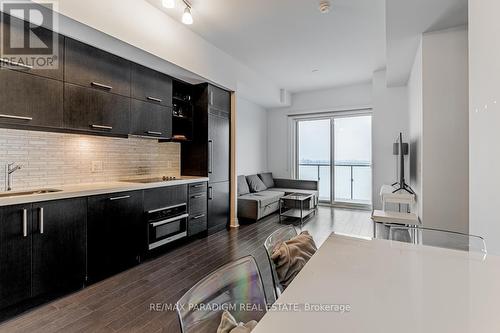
x=324 y=7
x=187 y=18
x=168 y=3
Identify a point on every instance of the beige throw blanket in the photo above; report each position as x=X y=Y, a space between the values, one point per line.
x=290 y=256
x=228 y=324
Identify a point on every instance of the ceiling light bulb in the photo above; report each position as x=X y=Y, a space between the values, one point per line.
x=168 y=3
x=187 y=18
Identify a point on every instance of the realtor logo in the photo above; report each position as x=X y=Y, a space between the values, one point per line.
x=27 y=37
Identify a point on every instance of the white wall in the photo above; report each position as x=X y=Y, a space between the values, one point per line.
x=335 y=99
x=390 y=117
x=438 y=105
x=484 y=120
x=251 y=138
x=445 y=183
x=415 y=110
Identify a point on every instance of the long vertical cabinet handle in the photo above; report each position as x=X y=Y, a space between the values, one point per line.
x=211 y=98
x=210 y=193
x=41 y=220
x=210 y=155
x=25 y=223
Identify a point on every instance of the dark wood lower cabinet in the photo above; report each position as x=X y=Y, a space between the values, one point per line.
x=218 y=206
x=115 y=233
x=162 y=197
x=58 y=246
x=15 y=254
x=198 y=205
x=52 y=247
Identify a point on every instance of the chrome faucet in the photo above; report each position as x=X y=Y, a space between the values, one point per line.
x=10 y=168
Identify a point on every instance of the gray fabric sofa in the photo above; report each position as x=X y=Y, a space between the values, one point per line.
x=256 y=204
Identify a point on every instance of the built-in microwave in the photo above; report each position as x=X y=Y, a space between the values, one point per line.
x=166 y=225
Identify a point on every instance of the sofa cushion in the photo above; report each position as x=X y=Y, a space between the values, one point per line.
x=255 y=184
x=264 y=198
x=267 y=179
x=242 y=186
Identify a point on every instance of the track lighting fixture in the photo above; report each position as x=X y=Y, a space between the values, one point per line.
x=187 y=17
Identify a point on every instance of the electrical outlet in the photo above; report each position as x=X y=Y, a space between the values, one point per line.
x=97 y=166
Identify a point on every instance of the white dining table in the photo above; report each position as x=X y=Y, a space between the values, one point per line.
x=367 y=285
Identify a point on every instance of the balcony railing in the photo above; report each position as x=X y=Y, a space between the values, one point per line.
x=352 y=180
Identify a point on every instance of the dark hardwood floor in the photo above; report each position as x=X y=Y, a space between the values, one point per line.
x=122 y=303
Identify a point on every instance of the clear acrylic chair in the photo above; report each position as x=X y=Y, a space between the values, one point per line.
x=236 y=287
x=438 y=238
x=276 y=237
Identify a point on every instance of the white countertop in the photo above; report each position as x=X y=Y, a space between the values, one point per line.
x=84 y=190
x=391 y=287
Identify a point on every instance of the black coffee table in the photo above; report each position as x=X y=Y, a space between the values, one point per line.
x=297 y=206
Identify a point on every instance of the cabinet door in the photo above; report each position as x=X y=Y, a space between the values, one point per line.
x=218 y=206
x=115 y=233
x=197 y=224
x=219 y=98
x=150 y=120
x=96 y=111
x=17 y=28
x=162 y=197
x=29 y=100
x=218 y=148
x=90 y=67
x=151 y=86
x=58 y=245
x=15 y=254
x=197 y=203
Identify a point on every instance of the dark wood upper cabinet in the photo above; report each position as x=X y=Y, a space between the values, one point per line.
x=30 y=100
x=15 y=254
x=58 y=245
x=219 y=98
x=151 y=86
x=95 y=111
x=116 y=233
x=18 y=29
x=147 y=119
x=91 y=67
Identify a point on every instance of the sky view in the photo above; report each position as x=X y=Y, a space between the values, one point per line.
x=352 y=139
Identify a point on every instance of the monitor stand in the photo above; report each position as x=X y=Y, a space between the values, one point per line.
x=402 y=187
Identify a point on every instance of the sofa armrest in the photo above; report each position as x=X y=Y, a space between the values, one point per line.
x=296 y=184
x=248 y=209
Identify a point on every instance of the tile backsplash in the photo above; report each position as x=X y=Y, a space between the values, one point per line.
x=52 y=159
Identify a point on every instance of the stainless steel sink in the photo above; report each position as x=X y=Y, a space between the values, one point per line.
x=33 y=192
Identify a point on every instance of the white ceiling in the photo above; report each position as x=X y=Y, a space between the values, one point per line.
x=406 y=20
x=285 y=40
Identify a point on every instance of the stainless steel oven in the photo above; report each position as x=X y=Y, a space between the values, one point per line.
x=166 y=225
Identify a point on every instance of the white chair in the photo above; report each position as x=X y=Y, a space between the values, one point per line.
x=438 y=238
x=236 y=287
x=276 y=237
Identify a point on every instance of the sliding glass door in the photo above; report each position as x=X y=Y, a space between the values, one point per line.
x=314 y=154
x=336 y=151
